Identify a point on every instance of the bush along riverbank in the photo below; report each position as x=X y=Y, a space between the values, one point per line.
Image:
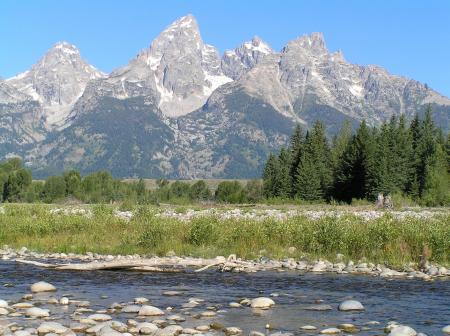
x=344 y=243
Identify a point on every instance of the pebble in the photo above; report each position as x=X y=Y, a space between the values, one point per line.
x=37 y=312
x=262 y=303
x=42 y=286
x=51 y=327
x=330 y=331
x=150 y=311
x=446 y=329
x=64 y=301
x=351 y=305
x=402 y=331
x=319 y=307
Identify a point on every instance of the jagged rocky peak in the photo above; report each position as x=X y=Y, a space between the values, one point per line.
x=178 y=69
x=56 y=81
x=240 y=60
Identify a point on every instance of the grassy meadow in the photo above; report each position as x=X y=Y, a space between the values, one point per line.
x=383 y=240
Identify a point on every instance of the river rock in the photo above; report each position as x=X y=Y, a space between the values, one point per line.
x=4 y=304
x=262 y=303
x=3 y=311
x=51 y=327
x=330 y=331
x=42 y=286
x=100 y=317
x=446 y=329
x=131 y=309
x=64 y=301
x=140 y=300
x=402 y=331
x=108 y=331
x=172 y=293
x=146 y=328
x=319 y=307
x=150 y=311
x=308 y=327
x=170 y=330
x=350 y=305
x=37 y=312
x=232 y=331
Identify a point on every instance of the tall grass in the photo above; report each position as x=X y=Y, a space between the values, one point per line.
x=384 y=240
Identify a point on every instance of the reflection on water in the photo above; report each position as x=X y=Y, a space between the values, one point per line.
x=421 y=305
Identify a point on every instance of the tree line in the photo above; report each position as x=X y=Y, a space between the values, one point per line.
x=397 y=158
x=17 y=185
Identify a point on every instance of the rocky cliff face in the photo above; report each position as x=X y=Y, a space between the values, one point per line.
x=180 y=110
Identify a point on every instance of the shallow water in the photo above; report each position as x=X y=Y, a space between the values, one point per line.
x=425 y=306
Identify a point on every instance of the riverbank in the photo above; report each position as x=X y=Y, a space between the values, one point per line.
x=216 y=303
x=402 y=240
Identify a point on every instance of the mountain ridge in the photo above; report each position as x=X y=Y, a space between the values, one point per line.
x=219 y=116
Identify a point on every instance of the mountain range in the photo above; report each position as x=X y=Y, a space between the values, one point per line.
x=179 y=109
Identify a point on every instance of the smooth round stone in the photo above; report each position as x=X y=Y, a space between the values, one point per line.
x=217 y=325
x=170 y=330
x=42 y=286
x=319 y=307
x=150 y=311
x=108 y=331
x=22 y=333
x=51 y=327
x=146 y=328
x=232 y=331
x=202 y=328
x=308 y=327
x=208 y=313
x=262 y=303
x=4 y=311
x=64 y=301
x=119 y=326
x=140 y=300
x=3 y=304
x=37 y=312
x=78 y=327
x=131 y=309
x=172 y=293
x=234 y=305
x=446 y=329
x=402 y=331
x=83 y=304
x=256 y=333
x=329 y=331
x=100 y=317
x=351 y=305
x=22 y=305
x=190 y=331
x=348 y=327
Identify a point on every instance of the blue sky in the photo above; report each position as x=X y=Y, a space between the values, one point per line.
x=410 y=38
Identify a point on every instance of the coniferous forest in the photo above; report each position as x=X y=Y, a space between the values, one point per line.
x=409 y=160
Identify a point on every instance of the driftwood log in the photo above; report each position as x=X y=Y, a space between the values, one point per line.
x=141 y=265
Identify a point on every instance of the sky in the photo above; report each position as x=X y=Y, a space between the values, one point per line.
x=409 y=38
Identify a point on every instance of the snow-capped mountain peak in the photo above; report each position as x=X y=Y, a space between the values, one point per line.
x=237 y=62
x=56 y=81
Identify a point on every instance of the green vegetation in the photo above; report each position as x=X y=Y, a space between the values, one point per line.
x=16 y=185
x=406 y=162
x=383 y=240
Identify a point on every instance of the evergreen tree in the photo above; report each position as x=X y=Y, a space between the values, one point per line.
x=425 y=147
x=436 y=187
x=284 y=180
x=308 y=179
x=353 y=178
x=270 y=177
x=339 y=144
x=295 y=147
x=314 y=173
